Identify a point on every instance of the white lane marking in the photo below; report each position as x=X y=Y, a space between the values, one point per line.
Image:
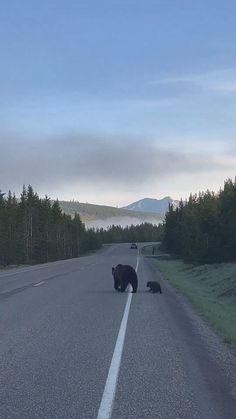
x=39 y=283
x=37 y=267
x=137 y=262
x=106 y=405
x=3 y=275
x=105 y=409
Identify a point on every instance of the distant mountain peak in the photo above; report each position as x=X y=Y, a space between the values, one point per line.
x=152 y=205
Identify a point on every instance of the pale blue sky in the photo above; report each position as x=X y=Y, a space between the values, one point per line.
x=113 y=101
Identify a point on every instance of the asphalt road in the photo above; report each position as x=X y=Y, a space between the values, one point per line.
x=58 y=329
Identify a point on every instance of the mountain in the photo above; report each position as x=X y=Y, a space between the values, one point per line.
x=98 y=216
x=152 y=205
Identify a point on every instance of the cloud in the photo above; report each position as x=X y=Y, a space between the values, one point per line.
x=219 y=81
x=108 y=162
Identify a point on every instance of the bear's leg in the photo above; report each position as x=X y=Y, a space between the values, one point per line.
x=117 y=285
x=134 y=286
x=123 y=287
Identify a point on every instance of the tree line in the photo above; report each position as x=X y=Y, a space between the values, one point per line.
x=145 y=232
x=203 y=229
x=35 y=230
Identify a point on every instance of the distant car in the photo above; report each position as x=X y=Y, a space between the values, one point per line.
x=133 y=246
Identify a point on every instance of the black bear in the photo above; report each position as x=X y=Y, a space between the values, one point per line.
x=124 y=275
x=154 y=287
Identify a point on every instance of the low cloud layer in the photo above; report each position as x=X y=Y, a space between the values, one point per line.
x=89 y=160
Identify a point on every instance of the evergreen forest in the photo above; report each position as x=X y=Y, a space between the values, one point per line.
x=203 y=229
x=35 y=230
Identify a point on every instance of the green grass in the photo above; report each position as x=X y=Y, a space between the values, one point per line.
x=211 y=289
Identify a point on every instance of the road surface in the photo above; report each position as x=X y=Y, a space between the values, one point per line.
x=60 y=324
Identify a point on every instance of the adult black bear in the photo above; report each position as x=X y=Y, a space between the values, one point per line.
x=124 y=275
x=154 y=286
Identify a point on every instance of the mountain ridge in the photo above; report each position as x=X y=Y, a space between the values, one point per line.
x=152 y=205
x=98 y=216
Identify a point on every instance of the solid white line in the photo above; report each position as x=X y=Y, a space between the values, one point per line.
x=33 y=268
x=3 y=275
x=105 y=409
x=39 y=283
x=137 y=262
x=106 y=405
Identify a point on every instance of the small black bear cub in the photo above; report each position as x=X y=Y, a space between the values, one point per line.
x=154 y=287
x=124 y=275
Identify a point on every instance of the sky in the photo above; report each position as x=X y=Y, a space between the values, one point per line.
x=112 y=101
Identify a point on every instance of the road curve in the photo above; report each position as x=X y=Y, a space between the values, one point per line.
x=59 y=324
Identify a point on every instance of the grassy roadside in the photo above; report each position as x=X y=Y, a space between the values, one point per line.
x=211 y=289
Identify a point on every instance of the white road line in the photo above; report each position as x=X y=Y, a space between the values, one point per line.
x=39 y=283
x=106 y=405
x=105 y=409
x=3 y=275
x=36 y=267
x=137 y=262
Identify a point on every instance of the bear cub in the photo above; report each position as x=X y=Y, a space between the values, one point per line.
x=154 y=287
x=123 y=276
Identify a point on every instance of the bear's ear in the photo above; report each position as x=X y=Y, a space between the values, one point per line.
x=112 y=269
x=148 y=285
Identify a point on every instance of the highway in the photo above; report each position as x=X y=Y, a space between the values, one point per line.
x=59 y=327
